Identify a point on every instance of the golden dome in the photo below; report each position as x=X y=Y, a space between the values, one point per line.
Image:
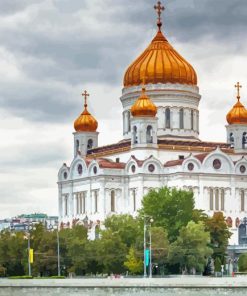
x=238 y=114
x=85 y=122
x=160 y=63
x=143 y=106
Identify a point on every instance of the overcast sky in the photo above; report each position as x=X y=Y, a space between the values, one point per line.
x=51 y=50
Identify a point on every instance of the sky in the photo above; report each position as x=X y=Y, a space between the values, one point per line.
x=52 y=50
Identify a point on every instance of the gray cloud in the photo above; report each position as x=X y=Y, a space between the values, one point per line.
x=51 y=50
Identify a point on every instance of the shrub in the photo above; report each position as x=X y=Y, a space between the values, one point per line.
x=242 y=262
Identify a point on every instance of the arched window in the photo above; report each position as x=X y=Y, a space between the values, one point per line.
x=77 y=146
x=211 y=199
x=90 y=144
x=135 y=135
x=149 y=135
x=181 y=118
x=244 y=140
x=192 y=119
x=217 y=199
x=231 y=138
x=112 y=201
x=242 y=201
x=168 y=118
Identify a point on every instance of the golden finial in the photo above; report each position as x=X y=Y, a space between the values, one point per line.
x=238 y=86
x=85 y=94
x=159 y=8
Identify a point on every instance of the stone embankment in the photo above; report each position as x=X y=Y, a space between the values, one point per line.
x=191 y=286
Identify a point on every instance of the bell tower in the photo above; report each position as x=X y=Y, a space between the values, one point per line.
x=237 y=125
x=85 y=135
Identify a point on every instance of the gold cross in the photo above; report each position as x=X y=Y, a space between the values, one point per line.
x=85 y=94
x=159 y=8
x=238 y=86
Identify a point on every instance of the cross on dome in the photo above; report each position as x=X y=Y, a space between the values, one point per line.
x=85 y=94
x=159 y=8
x=238 y=86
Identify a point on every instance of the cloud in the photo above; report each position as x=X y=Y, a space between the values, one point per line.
x=51 y=50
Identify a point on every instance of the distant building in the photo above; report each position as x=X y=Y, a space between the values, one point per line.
x=22 y=222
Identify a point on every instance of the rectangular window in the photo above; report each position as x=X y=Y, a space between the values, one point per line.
x=134 y=200
x=84 y=201
x=217 y=199
x=211 y=202
x=222 y=200
x=192 y=119
x=66 y=205
x=95 y=201
x=80 y=197
x=242 y=200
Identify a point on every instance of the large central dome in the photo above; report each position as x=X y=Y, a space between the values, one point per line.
x=160 y=63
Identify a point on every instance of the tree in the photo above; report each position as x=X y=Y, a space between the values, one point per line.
x=191 y=250
x=170 y=208
x=242 y=262
x=133 y=263
x=111 y=252
x=160 y=246
x=219 y=234
x=127 y=227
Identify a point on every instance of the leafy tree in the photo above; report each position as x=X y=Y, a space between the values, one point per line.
x=127 y=227
x=160 y=245
x=133 y=263
x=219 y=234
x=170 y=208
x=242 y=262
x=191 y=250
x=111 y=252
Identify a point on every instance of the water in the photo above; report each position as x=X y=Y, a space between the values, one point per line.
x=75 y=291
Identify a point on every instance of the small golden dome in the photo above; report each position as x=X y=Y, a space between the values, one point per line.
x=143 y=106
x=85 y=122
x=160 y=63
x=238 y=114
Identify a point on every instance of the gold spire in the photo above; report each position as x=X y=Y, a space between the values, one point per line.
x=143 y=106
x=85 y=122
x=158 y=9
x=238 y=114
x=160 y=62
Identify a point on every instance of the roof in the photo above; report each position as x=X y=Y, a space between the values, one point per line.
x=176 y=162
x=163 y=144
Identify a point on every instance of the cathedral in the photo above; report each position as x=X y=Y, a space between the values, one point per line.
x=160 y=147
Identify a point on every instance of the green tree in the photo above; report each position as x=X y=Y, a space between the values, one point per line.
x=191 y=250
x=133 y=263
x=160 y=246
x=111 y=252
x=13 y=252
x=127 y=227
x=219 y=234
x=242 y=262
x=170 y=208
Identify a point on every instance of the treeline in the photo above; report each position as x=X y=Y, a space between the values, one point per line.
x=183 y=240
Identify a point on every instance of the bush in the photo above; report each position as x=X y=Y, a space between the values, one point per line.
x=20 y=277
x=242 y=262
x=2 y=271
